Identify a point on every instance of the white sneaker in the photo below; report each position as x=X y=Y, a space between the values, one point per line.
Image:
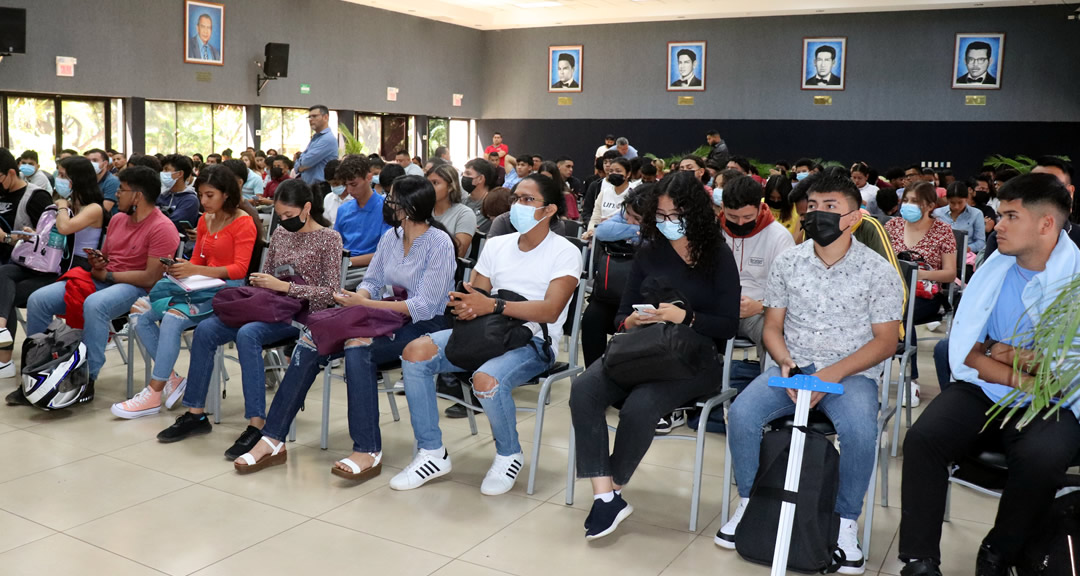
x=426 y=465
x=502 y=475
x=914 y=395
x=848 y=543
x=5 y=337
x=933 y=326
x=8 y=370
x=174 y=390
x=725 y=538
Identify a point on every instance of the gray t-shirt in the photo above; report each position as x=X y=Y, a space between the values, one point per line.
x=458 y=219
x=830 y=310
x=475 y=206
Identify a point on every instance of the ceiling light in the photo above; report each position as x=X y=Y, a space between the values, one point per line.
x=545 y=4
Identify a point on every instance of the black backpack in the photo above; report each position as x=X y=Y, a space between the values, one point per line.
x=817 y=526
x=613 y=263
x=1047 y=552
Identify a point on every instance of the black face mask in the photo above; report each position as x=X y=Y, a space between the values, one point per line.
x=389 y=215
x=823 y=227
x=293 y=224
x=276 y=173
x=467 y=184
x=981 y=198
x=616 y=179
x=741 y=230
x=774 y=204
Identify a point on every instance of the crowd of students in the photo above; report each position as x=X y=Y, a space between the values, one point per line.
x=803 y=263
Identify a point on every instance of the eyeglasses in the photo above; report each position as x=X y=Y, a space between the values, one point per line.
x=518 y=199
x=668 y=217
x=978 y=60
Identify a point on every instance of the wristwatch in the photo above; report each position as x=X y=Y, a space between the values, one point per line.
x=500 y=305
x=109 y=278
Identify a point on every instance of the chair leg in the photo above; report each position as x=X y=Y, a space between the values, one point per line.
x=902 y=385
x=130 y=365
x=469 y=412
x=699 y=460
x=725 y=506
x=868 y=517
x=390 y=395
x=948 y=501
x=219 y=375
x=541 y=404
x=292 y=431
x=570 y=468
x=883 y=468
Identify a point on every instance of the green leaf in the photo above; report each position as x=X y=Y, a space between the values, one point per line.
x=352 y=145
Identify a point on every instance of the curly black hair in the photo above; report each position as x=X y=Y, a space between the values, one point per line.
x=698 y=219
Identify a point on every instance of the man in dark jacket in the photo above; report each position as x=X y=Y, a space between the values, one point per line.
x=719 y=152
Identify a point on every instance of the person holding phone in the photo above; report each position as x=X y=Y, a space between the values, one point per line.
x=303 y=241
x=682 y=248
x=223 y=249
x=78 y=192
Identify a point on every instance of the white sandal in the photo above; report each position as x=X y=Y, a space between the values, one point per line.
x=355 y=473
x=250 y=465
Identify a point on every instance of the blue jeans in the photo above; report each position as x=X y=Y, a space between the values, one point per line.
x=510 y=370
x=854 y=415
x=99 y=309
x=361 y=366
x=249 y=338
x=160 y=334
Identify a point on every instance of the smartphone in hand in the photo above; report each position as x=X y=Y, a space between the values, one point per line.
x=644 y=309
x=167 y=261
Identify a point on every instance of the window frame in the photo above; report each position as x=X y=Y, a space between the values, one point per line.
x=58 y=119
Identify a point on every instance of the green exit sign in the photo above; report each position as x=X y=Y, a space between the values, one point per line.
x=305 y=88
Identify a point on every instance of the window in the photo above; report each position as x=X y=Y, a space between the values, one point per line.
x=296 y=132
x=369 y=132
x=31 y=125
x=438 y=135
x=118 y=128
x=270 y=131
x=459 y=143
x=189 y=127
x=83 y=124
x=393 y=134
x=47 y=125
x=287 y=130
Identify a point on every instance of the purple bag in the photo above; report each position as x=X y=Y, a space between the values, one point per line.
x=331 y=328
x=241 y=305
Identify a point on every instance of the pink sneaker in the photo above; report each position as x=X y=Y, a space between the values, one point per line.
x=174 y=390
x=144 y=403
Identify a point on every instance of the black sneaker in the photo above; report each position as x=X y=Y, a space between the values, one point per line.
x=990 y=563
x=663 y=427
x=187 y=424
x=605 y=517
x=677 y=418
x=17 y=398
x=926 y=567
x=87 y=393
x=247 y=440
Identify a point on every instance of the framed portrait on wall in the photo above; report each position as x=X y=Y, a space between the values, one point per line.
x=204 y=33
x=824 y=61
x=977 y=61
x=564 y=68
x=686 y=66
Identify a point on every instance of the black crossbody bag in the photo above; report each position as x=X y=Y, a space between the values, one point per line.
x=473 y=342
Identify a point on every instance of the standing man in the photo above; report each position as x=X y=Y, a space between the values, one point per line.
x=499 y=148
x=687 y=61
x=977 y=57
x=199 y=47
x=719 y=152
x=625 y=149
x=566 y=67
x=609 y=141
x=824 y=58
x=321 y=149
x=107 y=181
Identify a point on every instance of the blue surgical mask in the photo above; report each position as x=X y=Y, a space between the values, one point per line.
x=26 y=170
x=718 y=196
x=167 y=181
x=800 y=176
x=63 y=187
x=671 y=230
x=97 y=166
x=911 y=212
x=337 y=190
x=375 y=180
x=523 y=217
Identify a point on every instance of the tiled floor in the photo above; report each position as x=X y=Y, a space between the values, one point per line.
x=84 y=493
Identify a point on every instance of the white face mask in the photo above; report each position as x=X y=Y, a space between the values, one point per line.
x=98 y=166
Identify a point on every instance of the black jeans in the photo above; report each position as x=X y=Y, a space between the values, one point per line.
x=643 y=405
x=949 y=430
x=17 y=283
x=597 y=323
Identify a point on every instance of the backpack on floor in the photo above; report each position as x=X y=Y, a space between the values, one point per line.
x=54 y=367
x=817 y=526
x=1048 y=552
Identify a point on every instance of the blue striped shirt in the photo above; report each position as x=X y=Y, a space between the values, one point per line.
x=426 y=274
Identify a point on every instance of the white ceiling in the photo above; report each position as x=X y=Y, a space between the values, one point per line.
x=506 y=14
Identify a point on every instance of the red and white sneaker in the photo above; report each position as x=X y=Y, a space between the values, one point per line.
x=174 y=390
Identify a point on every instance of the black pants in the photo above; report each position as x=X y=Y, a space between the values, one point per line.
x=17 y=283
x=926 y=309
x=643 y=405
x=597 y=323
x=949 y=430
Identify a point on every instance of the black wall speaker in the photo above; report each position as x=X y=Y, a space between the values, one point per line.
x=277 y=60
x=12 y=30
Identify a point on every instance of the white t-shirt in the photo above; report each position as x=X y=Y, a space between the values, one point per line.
x=600 y=151
x=869 y=194
x=331 y=202
x=530 y=273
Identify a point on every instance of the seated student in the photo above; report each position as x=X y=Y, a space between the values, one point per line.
x=128 y=265
x=833 y=309
x=302 y=245
x=31 y=172
x=916 y=231
x=523 y=166
x=178 y=201
x=861 y=175
x=456 y=217
x=963 y=217
x=225 y=239
x=696 y=165
x=612 y=193
x=598 y=320
x=417 y=255
x=756 y=239
x=280 y=166
x=888 y=204
x=500 y=172
x=683 y=250
x=722 y=177
x=386 y=176
x=21 y=203
x=592 y=192
x=359 y=220
x=1034 y=259
x=495 y=204
x=551 y=170
x=337 y=196
x=778 y=198
x=539 y=265
x=78 y=190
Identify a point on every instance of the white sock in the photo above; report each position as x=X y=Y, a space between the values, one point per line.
x=606 y=496
x=437 y=453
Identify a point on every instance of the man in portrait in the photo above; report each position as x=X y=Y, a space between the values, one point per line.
x=199 y=47
x=977 y=58
x=824 y=60
x=687 y=63
x=565 y=66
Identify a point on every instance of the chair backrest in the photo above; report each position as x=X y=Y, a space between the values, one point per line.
x=572 y=228
x=577 y=307
x=345 y=261
x=180 y=248
x=961 y=254
x=910 y=272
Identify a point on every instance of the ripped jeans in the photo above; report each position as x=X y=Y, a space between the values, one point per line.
x=510 y=370
x=361 y=367
x=160 y=334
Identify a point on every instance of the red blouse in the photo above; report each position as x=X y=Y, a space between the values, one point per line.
x=938 y=241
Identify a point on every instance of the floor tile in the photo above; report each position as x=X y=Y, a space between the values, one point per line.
x=327 y=549
x=100 y=431
x=195 y=459
x=460 y=568
x=62 y=554
x=398 y=440
x=203 y=526
x=444 y=517
x=960 y=540
x=24 y=453
x=16 y=531
x=472 y=463
x=76 y=493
